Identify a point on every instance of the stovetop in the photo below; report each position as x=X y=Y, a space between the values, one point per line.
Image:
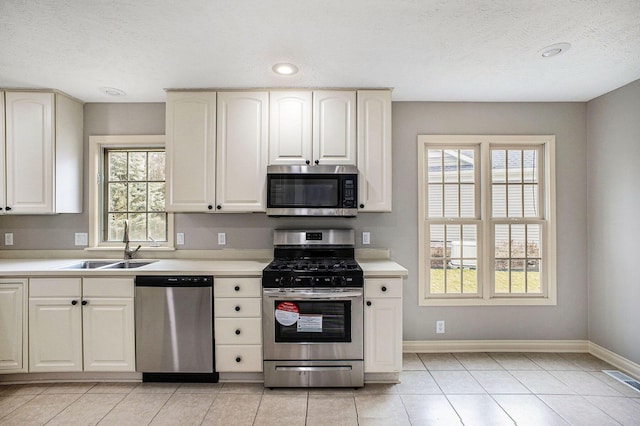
x=313 y=272
x=316 y=258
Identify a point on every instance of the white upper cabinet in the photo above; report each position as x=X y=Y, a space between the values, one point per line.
x=241 y=154
x=3 y=202
x=290 y=127
x=374 y=150
x=334 y=127
x=43 y=154
x=190 y=151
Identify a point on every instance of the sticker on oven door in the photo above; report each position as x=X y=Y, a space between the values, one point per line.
x=310 y=324
x=287 y=313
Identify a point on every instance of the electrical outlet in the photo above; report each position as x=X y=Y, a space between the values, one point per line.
x=8 y=239
x=82 y=238
x=440 y=326
x=180 y=238
x=366 y=238
x=222 y=238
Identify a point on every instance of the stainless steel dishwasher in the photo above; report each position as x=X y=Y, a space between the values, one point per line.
x=174 y=328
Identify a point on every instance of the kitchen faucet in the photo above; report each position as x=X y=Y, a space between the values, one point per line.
x=128 y=253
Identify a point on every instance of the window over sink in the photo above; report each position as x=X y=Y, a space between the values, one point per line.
x=129 y=185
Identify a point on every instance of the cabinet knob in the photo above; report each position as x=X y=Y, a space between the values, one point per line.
x=210 y=207
x=237 y=288
x=362 y=206
x=8 y=208
x=317 y=162
x=84 y=302
x=218 y=207
x=74 y=302
x=368 y=302
x=308 y=162
x=0 y=208
x=238 y=359
x=383 y=288
x=238 y=332
x=237 y=308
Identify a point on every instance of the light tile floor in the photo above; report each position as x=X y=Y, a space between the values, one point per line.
x=435 y=389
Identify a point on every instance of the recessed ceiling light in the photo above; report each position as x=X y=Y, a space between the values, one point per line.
x=112 y=91
x=285 y=69
x=554 y=50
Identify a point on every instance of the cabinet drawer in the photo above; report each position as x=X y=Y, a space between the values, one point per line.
x=237 y=307
x=107 y=287
x=55 y=287
x=383 y=287
x=237 y=287
x=238 y=331
x=243 y=358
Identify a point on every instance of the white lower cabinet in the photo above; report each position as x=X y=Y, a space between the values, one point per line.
x=13 y=326
x=81 y=324
x=238 y=324
x=382 y=325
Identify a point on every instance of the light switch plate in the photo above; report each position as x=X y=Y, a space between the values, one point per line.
x=8 y=239
x=82 y=239
x=180 y=238
x=366 y=238
x=222 y=238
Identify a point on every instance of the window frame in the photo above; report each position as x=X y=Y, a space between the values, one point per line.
x=97 y=146
x=485 y=234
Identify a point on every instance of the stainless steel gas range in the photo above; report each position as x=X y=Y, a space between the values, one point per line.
x=313 y=311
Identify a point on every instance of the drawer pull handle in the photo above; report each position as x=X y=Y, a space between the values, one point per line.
x=238 y=332
x=384 y=288
x=238 y=359
x=237 y=288
x=237 y=308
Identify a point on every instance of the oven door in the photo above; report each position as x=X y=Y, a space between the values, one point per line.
x=313 y=324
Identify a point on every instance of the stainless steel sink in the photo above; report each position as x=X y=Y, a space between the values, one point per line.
x=129 y=264
x=89 y=264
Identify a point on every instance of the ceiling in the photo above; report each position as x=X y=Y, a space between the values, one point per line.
x=426 y=50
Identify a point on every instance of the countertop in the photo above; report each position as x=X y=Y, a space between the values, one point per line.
x=230 y=268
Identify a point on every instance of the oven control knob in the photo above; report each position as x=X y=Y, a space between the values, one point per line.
x=337 y=281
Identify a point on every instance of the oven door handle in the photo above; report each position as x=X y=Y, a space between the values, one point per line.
x=312 y=294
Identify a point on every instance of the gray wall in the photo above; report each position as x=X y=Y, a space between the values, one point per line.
x=614 y=229
x=398 y=230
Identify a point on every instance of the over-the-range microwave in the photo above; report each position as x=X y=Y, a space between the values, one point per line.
x=318 y=190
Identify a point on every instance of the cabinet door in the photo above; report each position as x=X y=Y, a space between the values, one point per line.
x=374 y=150
x=55 y=334
x=241 y=161
x=13 y=322
x=383 y=335
x=2 y=157
x=190 y=151
x=109 y=334
x=334 y=127
x=290 y=128
x=29 y=152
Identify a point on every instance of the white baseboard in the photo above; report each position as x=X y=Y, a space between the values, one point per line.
x=431 y=346
x=616 y=360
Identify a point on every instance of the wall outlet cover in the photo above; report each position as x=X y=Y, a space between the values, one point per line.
x=82 y=239
x=440 y=326
x=8 y=239
x=180 y=238
x=222 y=238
